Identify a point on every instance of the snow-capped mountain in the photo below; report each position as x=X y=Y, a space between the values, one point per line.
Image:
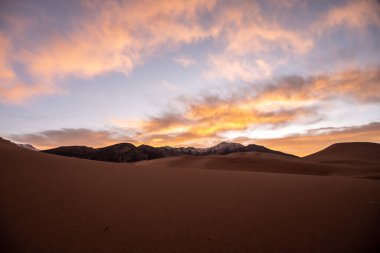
x=224 y=148
x=27 y=146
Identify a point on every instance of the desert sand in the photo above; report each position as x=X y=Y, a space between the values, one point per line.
x=246 y=202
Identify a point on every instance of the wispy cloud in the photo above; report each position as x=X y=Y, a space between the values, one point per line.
x=204 y=120
x=104 y=39
x=354 y=15
x=254 y=43
x=249 y=37
x=184 y=61
x=12 y=88
x=292 y=99
x=114 y=41
x=361 y=85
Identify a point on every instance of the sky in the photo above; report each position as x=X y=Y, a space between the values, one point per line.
x=292 y=75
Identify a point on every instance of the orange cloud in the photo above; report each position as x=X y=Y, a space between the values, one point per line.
x=106 y=39
x=358 y=85
x=201 y=129
x=12 y=89
x=290 y=100
x=6 y=72
x=19 y=93
x=355 y=14
x=249 y=36
x=101 y=40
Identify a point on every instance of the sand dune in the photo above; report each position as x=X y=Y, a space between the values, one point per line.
x=184 y=204
x=261 y=162
x=362 y=151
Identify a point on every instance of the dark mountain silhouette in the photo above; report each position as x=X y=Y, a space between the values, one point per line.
x=127 y=152
x=72 y=151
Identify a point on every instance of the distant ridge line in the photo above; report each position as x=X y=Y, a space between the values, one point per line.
x=127 y=152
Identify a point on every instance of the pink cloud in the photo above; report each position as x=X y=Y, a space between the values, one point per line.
x=357 y=15
x=104 y=39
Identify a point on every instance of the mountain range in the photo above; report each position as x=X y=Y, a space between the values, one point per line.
x=127 y=152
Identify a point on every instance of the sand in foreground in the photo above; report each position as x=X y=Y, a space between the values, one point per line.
x=58 y=204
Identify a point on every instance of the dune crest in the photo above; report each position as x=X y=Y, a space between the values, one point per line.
x=366 y=151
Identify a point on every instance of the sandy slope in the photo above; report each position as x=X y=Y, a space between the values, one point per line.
x=360 y=151
x=57 y=204
x=323 y=164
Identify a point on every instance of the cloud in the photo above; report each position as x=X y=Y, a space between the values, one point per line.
x=104 y=39
x=107 y=39
x=12 y=89
x=72 y=136
x=208 y=118
x=232 y=68
x=354 y=15
x=6 y=72
x=360 y=85
x=318 y=139
x=20 y=93
x=184 y=61
x=251 y=38
x=100 y=38
x=206 y=126
x=290 y=100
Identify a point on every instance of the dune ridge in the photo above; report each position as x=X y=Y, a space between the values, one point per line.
x=365 y=151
